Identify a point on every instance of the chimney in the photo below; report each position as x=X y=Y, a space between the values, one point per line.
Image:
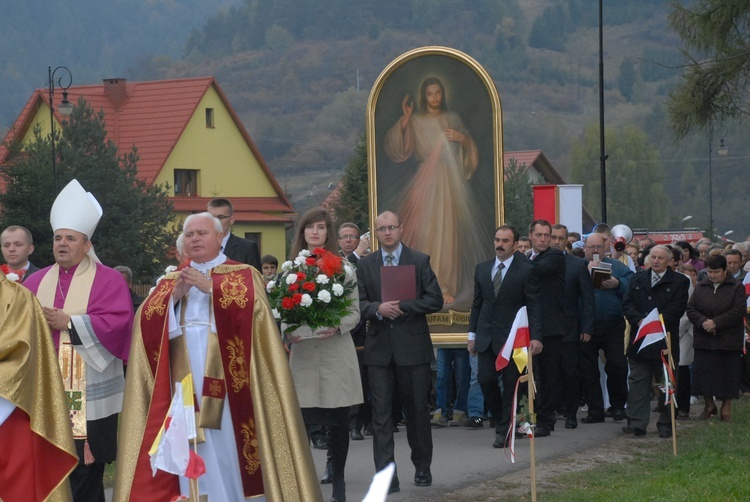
x=114 y=89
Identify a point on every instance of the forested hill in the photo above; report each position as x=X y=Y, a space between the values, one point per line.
x=298 y=72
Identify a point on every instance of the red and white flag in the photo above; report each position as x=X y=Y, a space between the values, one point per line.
x=746 y=283
x=651 y=330
x=171 y=451
x=517 y=344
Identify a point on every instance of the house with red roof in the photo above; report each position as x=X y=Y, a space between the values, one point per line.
x=188 y=136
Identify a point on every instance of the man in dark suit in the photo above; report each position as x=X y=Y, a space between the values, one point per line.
x=496 y=302
x=17 y=244
x=662 y=288
x=547 y=280
x=398 y=348
x=235 y=248
x=578 y=323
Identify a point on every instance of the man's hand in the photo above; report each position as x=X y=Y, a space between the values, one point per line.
x=536 y=347
x=610 y=283
x=470 y=347
x=709 y=325
x=56 y=318
x=390 y=310
x=364 y=245
x=585 y=337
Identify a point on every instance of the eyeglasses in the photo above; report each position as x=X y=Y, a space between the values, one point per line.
x=389 y=228
x=348 y=238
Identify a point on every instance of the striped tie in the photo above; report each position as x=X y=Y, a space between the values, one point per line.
x=389 y=260
x=654 y=279
x=498 y=279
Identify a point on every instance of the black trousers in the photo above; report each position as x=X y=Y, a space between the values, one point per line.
x=611 y=340
x=549 y=380
x=87 y=482
x=571 y=378
x=499 y=402
x=413 y=384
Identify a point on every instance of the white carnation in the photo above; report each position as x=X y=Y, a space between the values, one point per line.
x=304 y=253
x=270 y=286
x=306 y=300
x=12 y=277
x=338 y=289
x=276 y=314
x=322 y=279
x=300 y=260
x=324 y=296
x=349 y=271
x=291 y=279
x=170 y=269
x=286 y=266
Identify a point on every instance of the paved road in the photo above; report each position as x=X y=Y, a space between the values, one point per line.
x=462 y=457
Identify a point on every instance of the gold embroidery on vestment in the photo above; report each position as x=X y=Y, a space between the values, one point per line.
x=233 y=289
x=250 y=448
x=238 y=364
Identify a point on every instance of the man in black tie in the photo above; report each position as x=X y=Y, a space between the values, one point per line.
x=235 y=248
x=500 y=290
x=398 y=348
x=578 y=323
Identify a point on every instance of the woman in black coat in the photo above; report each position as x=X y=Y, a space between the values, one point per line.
x=717 y=310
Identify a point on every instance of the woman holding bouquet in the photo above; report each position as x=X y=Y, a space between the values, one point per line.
x=324 y=368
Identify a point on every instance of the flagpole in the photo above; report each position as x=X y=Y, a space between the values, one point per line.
x=532 y=417
x=674 y=395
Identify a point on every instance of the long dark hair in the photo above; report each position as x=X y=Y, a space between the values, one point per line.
x=423 y=99
x=314 y=215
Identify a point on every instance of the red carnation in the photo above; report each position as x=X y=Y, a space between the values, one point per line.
x=309 y=286
x=294 y=287
x=287 y=303
x=301 y=276
x=297 y=298
x=310 y=260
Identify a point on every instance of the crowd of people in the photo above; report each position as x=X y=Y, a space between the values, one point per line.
x=264 y=394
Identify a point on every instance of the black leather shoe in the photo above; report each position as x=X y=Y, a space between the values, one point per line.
x=395 y=428
x=367 y=431
x=592 y=420
x=665 y=431
x=394 y=488
x=474 y=423
x=500 y=441
x=541 y=431
x=635 y=431
x=356 y=435
x=327 y=478
x=618 y=415
x=571 y=423
x=423 y=478
x=320 y=444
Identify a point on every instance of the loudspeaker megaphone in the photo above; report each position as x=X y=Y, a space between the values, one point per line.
x=621 y=235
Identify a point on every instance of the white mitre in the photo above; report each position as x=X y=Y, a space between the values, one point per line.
x=76 y=209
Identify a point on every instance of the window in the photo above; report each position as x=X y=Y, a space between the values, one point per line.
x=186 y=182
x=210 y=118
x=254 y=237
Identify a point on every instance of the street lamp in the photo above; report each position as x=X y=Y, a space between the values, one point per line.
x=722 y=151
x=682 y=221
x=65 y=108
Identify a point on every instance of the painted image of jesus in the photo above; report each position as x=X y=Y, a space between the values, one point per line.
x=438 y=212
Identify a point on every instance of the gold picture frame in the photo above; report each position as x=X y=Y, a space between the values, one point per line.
x=438 y=163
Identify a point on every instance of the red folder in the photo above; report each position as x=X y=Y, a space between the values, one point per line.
x=398 y=283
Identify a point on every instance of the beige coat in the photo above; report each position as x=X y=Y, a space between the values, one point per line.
x=326 y=372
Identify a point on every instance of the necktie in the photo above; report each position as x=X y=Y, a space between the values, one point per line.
x=498 y=279
x=389 y=260
x=654 y=279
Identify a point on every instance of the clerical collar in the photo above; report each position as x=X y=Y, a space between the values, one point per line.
x=203 y=267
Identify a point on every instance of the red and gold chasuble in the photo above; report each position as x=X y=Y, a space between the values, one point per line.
x=232 y=304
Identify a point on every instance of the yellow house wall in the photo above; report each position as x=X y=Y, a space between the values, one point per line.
x=41 y=118
x=226 y=165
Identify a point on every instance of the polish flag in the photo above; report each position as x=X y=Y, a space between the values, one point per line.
x=651 y=330
x=517 y=344
x=171 y=451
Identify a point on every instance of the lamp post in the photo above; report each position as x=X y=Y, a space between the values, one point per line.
x=65 y=108
x=682 y=221
x=722 y=151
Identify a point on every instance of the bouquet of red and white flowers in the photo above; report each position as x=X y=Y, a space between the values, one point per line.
x=312 y=291
x=9 y=274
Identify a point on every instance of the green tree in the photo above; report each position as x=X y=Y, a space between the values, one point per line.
x=519 y=205
x=352 y=203
x=635 y=177
x=626 y=78
x=717 y=45
x=137 y=228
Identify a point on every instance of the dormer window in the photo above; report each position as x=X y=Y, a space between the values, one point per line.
x=209 y=118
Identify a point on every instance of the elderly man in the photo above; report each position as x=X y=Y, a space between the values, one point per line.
x=662 y=288
x=235 y=248
x=18 y=244
x=398 y=349
x=212 y=320
x=88 y=309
